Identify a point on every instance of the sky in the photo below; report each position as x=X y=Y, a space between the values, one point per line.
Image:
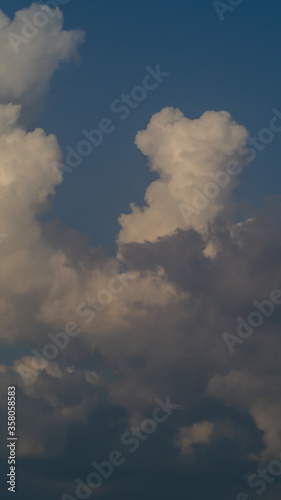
x=140 y=248
x=213 y=65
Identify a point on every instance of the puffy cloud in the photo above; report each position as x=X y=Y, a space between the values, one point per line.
x=32 y=48
x=27 y=175
x=188 y=155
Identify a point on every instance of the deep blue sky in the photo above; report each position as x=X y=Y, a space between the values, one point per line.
x=231 y=65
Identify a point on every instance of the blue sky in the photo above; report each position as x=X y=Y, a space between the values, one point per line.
x=213 y=65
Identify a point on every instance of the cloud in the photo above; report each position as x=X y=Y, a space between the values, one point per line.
x=27 y=177
x=260 y=396
x=26 y=182
x=187 y=155
x=151 y=334
x=197 y=433
x=30 y=55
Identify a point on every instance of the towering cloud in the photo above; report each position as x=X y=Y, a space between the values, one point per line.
x=197 y=167
x=29 y=56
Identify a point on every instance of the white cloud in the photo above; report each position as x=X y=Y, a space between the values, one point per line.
x=27 y=177
x=186 y=154
x=27 y=67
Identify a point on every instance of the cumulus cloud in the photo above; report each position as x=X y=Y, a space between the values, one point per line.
x=26 y=182
x=171 y=312
x=27 y=177
x=188 y=155
x=170 y=315
x=30 y=54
